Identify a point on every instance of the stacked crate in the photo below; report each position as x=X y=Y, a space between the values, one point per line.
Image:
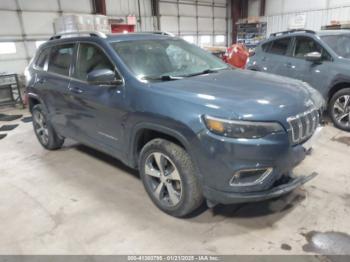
x=81 y=23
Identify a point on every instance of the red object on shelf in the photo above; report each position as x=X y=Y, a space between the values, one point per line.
x=122 y=28
x=237 y=55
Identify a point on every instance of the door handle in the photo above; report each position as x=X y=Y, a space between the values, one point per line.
x=76 y=90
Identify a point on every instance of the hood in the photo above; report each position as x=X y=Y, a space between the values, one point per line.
x=243 y=94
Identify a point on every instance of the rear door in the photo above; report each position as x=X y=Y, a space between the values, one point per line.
x=278 y=55
x=54 y=82
x=96 y=111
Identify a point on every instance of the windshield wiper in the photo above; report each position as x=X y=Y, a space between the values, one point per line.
x=206 y=71
x=162 y=78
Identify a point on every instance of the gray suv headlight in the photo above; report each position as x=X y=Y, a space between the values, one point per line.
x=241 y=129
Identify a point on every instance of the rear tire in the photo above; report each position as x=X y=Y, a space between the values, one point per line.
x=169 y=177
x=43 y=129
x=339 y=109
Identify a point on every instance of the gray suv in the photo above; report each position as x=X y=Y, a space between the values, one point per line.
x=321 y=59
x=194 y=127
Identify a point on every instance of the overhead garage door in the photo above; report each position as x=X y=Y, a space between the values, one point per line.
x=202 y=22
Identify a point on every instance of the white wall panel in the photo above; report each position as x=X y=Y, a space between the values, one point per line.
x=205 y=11
x=168 y=8
x=38 y=5
x=338 y=3
x=12 y=25
x=187 y=10
x=13 y=66
x=219 y=25
x=38 y=23
x=253 y=7
x=76 y=6
x=205 y=25
x=188 y=24
x=169 y=24
x=220 y=12
x=20 y=53
x=8 y=5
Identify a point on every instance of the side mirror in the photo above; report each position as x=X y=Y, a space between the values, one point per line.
x=313 y=57
x=103 y=77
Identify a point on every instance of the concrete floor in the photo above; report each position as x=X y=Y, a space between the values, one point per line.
x=79 y=201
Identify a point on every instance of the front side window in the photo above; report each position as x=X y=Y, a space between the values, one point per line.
x=339 y=43
x=90 y=58
x=166 y=57
x=280 y=46
x=305 y=45
x=60 y=59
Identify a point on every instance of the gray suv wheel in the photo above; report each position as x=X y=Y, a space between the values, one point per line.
x=339 y=109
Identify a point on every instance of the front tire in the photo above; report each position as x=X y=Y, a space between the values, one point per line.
x=169 y=177
x=43 y=129
x=339 y=109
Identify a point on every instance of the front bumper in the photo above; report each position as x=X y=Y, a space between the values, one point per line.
x=221 y=158
x=216 y=197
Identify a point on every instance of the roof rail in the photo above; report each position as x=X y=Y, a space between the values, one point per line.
x=292 y=31
x=159 y=33
x=79 y=33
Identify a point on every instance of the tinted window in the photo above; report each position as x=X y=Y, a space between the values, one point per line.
x=265 y=47
x=339 y=43
x=42 y=58
x=91 y=57
x=280 y=46
x=60 y=59
x=305 y=45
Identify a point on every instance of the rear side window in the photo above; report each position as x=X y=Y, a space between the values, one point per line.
x=280 y=46
x=265 y=47
x=60 y=59
x=42 y=59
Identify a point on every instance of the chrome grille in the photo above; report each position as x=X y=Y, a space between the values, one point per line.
x=302 y=126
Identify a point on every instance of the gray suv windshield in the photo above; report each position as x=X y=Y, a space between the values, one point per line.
x=339 y=43
x=166 y=59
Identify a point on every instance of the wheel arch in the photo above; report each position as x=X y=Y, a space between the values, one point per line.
x=335 y=88
x=143 y=133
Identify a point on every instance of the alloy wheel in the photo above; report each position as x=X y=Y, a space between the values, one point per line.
x=163 y=178
x=40 y=127
x=341 y=110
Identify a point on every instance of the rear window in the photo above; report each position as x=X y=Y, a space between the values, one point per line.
x=42 y=58
x=280 y=46
x=60 y=59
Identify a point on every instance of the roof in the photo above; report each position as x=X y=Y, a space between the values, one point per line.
x=136 y=36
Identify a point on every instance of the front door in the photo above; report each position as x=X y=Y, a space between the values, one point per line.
x=96 y=110
x=314 y=73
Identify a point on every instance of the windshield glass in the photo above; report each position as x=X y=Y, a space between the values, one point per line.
x=339 y=43
x=166 y=59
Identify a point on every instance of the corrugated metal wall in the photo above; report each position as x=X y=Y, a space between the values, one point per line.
x=317 y=12
x=27 y=22
x=203 y=22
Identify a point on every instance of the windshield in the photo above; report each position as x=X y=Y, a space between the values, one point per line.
x=339 y=43
x=166 y=59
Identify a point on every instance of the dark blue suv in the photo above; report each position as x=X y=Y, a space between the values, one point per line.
x=194 y=127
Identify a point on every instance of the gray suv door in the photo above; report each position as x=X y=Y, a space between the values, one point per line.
x=314 y=73
x=274 y=56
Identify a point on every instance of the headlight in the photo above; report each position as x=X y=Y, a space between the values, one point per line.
x=241 y=129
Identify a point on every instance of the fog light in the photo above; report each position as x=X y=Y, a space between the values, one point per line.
x=250 y=177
